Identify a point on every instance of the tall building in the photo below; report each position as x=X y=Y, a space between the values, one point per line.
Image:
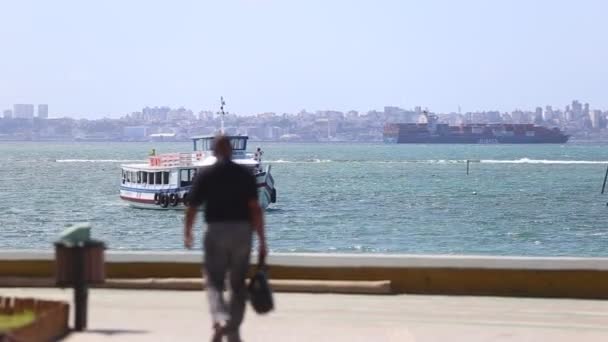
x=43 y=111
x=8 y=114
x=23 y=111
x=595 y=117
x=576 y=110
x=538 y=114
x=548 y=114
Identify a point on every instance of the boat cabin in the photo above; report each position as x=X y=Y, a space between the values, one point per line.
x=205 y=144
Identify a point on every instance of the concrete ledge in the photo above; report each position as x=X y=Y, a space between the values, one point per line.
x=308 y=286
x=430 y=274
x=346 y=260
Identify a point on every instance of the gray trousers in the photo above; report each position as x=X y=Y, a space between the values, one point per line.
x=227 y=251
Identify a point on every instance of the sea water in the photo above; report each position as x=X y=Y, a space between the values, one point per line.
x=341 y=198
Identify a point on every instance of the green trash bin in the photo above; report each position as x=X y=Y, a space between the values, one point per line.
x=79 y=262
x=76 y=248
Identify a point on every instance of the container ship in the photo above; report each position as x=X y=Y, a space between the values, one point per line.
x=433 y=132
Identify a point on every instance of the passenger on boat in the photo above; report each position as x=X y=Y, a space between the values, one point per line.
x=258 y=154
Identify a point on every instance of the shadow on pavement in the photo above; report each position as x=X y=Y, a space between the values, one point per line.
x=110 y=332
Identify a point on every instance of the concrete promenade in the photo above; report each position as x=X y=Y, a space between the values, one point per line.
x=138 y=315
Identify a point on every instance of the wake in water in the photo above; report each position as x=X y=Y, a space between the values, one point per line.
x=99 y=161
x=541 y=161
x=427 y=161
x=447 y=161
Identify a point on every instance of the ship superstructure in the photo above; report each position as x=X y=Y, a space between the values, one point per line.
x=433 y=132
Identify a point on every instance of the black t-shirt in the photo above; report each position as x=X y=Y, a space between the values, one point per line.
x=225 y=189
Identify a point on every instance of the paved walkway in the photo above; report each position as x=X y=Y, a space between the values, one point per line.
x=135 y=315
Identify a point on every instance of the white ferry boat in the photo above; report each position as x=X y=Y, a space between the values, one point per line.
x=165 y=181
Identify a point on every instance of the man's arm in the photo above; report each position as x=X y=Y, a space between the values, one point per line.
x=256 y=216
x=188 y=224
x=196 y=198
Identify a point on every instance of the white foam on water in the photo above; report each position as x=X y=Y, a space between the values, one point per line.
x=279 y=161
x=99 y=161
x=282 y=161
x=446 y=161
x=541 y=161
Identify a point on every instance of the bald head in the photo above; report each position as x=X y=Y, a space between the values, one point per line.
x=222 y=148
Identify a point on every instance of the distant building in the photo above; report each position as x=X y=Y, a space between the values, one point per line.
x=23 y=111
x=155 y=113
x=205 y=115
x=596 y=117
x=576 y=111
x=352 y=114
x=493 y=117
x=135 y=132
x=8 y=114
x=43 y=111
x=548 y=114
x=396 y=114
x=538 y=115
x=325 y=128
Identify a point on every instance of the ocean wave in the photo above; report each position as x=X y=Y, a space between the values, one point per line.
x=282 y=161
x=446 y=161
x=99 y=160
x=541 y=161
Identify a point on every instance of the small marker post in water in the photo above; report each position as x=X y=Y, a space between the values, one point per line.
x=468 y=161
x=605 y=177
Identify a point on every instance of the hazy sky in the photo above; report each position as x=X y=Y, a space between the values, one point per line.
x=111 y=57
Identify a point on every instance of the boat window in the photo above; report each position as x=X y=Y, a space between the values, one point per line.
x=187 y=176
x=138 y=176
x=151 y=178
x=165 y=177
x=183 y=174
x=123 y=176
x=184 y=177
x=144 y=177
x=128 y=176
x=203 y=144
x=158 y=178
x=238 y=144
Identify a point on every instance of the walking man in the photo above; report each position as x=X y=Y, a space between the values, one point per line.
x=232 y=212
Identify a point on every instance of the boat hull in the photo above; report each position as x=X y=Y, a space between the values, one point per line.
x=475 y=139
x=436 y=133
x=145 y=198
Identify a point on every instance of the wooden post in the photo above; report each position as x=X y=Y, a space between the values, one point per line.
x=468 y=167
x=605 y=177
x=81 y=289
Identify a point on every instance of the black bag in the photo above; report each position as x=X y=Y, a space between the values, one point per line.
x=260 y=293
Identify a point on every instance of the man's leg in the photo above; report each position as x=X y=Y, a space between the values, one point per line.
x=216 y=264
x=239 y=265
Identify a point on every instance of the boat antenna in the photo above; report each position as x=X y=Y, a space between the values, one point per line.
x=222 y=114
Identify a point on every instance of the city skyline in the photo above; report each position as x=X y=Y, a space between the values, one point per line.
x=579 y=120
x=272 y=56
x=34 y=110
